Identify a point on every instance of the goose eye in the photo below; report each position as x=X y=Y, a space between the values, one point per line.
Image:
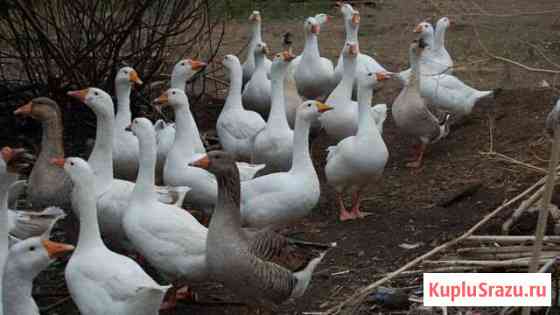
x=308 y=105
x=370 y=74
x=125 y=72
x=173 y=92
x=32 y=248
x=182 y=63
x=72 y=163
x=96 y=93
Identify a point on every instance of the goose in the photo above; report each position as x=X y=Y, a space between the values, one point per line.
x=357 y=161
x=175 y=173
x=280 y=198
x=411 y=114
x=99 y=280
x=125 y=146
x=256 y=94
x=244 y=264
x=552 y=119
x=47 y=185
x=236 y=126
x=430 y=65
x=249 y=65
x=364 y=63
x=342 y=122
x=26 y=259
x=112 y=194
x=169 y=238
x=314 y=75
x=273 y=145
x=183 y=71
x=21 y=224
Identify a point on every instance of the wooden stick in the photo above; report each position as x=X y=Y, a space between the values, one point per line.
x=520 y=262
x=504 y=256
x=543 y=211
x=361 y=294
x=510 y=238
x=503 y=249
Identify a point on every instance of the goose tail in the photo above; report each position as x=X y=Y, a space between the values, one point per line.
x=303 y=277
x=443 y=127
x=148 y=299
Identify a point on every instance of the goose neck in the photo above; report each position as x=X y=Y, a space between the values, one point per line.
x=415 y=71
x=101 y=157
x=348 y=73
x=256 y=38
x=51 y=139
x=184 y=137
x=277 y=117
x=85 y=202
x=233 y=99
x=144 y=189
x=300 y=156
x=124 y=115
x=311 y=48
x=178 y=82
x=17 y=299
x=365 y=121
x=351 y=30
x=439 y=40
x=6 y=180
x=227 y=213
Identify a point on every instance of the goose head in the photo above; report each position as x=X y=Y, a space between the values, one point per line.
x=349 y=13
x=231 y=62
x=311 y=110
x=96 y=99
x=40 y=108
x=261 y=50
x=79 y=171
x=255 y=17
x=219 y=163
x=142 y=128
x=184 y=70
x=176 y=98
x=369 y=80
x=425 y=30
x=350 y=50
x=444 y=23
x=33 y=255
x=312 y=26
x=127 y=76
x=8 y=160
x=281 y=60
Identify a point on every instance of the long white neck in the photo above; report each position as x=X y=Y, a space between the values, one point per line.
x=233 y=100
x=178 y=82
x=301 y=158
x=124 y=116
x=414 y=81
x=256 y=38
x=16 y=298
x=311 y=48
x=259 y=63
x=85 y=202
x=351 y=30
x=439 y=40
x=277 y=117
x=101 y=157
x=144 y=190
x=348 y=74
x=366 y=125
x=183 y=146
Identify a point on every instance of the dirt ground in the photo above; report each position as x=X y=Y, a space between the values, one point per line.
x=406 y=205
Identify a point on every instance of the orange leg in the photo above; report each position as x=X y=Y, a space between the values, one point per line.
x=170 y=300
x=418 y=162
x=344 y=214
x=355 y=212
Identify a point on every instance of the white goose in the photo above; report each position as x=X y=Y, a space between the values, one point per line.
x=342 y=122
x=256 y=94
x=112 y=194
x=425 y=32
x=101 y=281
x=440 y=52
x=183 y=71
x=125 y=146
x=256 y=37
x=273 y=145
x=176 y=171
x=314 y=75
x=357 y=161
x=364 y=63
x=25 y=261
x=170 y=239
x=281 y=198
x=236 y=126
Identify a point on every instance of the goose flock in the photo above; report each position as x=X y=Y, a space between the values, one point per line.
x=128 y=198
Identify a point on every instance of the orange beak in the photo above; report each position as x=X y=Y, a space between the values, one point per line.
x=55 y=249
x=58 y=162
x=203 y=162
x=353 y=49
x=288 y=56
x=382 y=76
x=315 y=29
x=133 y=77
x=356 y=19
x=162 y=100
x=80 y=94
x=197 y=65
x=418 y=28
x=24 y=110
x=8 y=153
x=322 y=107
